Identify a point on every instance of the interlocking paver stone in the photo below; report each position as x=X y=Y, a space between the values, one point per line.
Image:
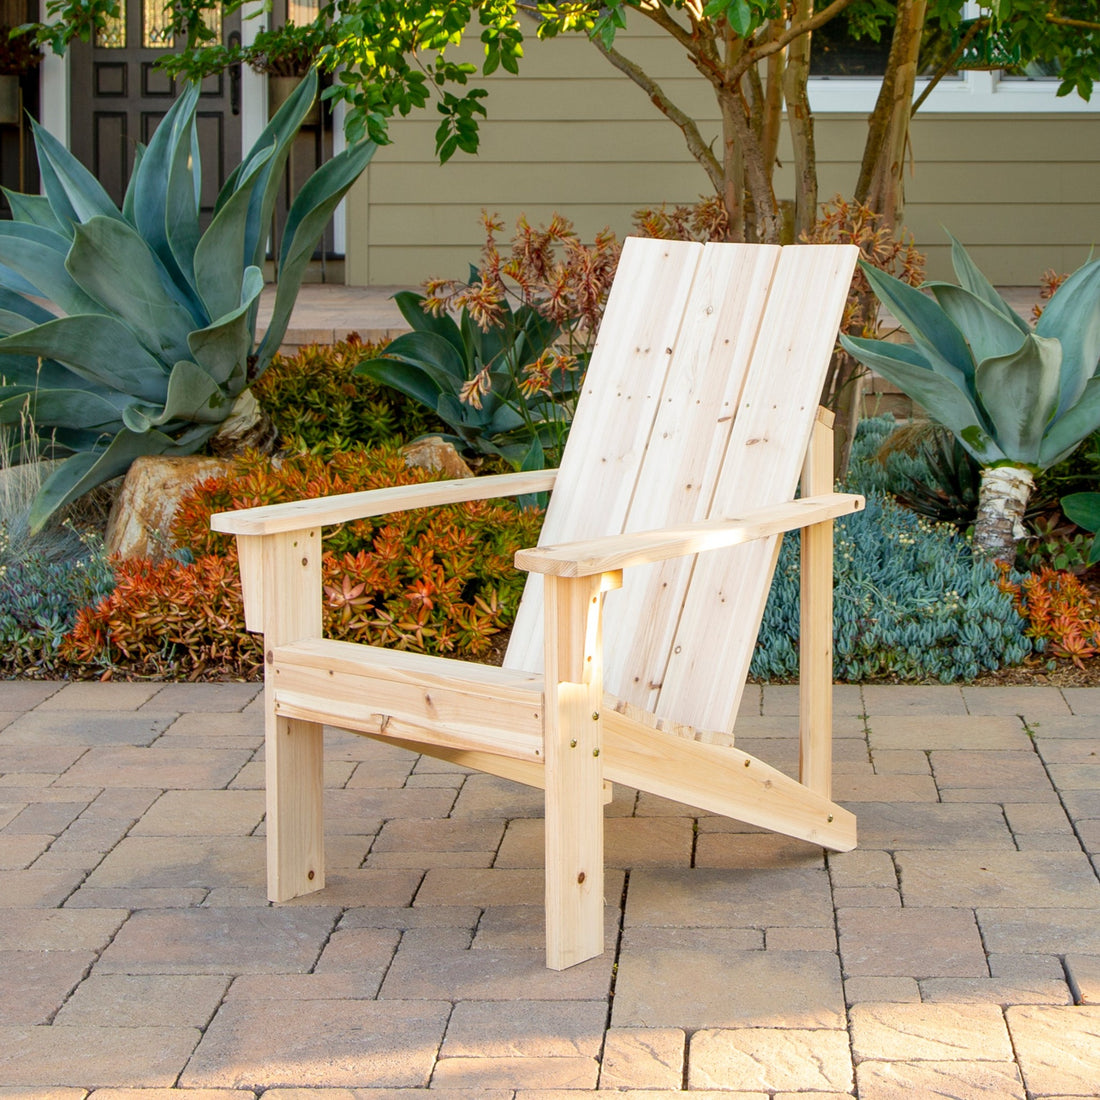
x=144 y=1000
x=202 y=813
x=643 y=1057
x=97 y=728
x=1058 y=1048
x=36 y=982
x=919 y=942
x=770 y=1058
x=930 y=826
x=149 y=1057
x=733 y=898
x=536 y=1029
x=162 y=861
x=904 y=1080
x=910 y=1032
x=1084 y=976
x=1040 y=931
x=219 y=941
x=337 y=1042
x=947 y=732
x=92 y=696
x=728 y=989
x=1002 y=879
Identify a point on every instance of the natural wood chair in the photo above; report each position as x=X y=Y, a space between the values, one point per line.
x=698 y=414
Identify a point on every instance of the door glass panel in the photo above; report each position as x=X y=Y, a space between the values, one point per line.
x=112 y=35
x=301 y=12
x=212 y=17
x=157 y=25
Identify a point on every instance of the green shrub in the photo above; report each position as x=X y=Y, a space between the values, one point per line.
x=911 y=604
x=316 y=401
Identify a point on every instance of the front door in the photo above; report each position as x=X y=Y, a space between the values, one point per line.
x=118 y=98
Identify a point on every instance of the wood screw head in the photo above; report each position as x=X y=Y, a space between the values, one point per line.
x=595 y=752
x=595 y=716
x=572 y=744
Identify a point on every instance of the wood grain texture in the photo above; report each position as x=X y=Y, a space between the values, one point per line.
x=296 y=515
x=591 y=556
x=815 y=640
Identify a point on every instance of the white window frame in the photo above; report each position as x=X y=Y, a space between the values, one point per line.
x=974 y=91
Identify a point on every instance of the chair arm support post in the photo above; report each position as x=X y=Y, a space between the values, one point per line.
x=816 y=621
x=572 y=744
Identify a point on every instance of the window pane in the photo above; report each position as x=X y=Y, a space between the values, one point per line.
x=157 y=25
x=845 y=46
x=112 y=35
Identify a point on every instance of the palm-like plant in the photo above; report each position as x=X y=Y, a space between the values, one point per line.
x=1019 y=400
x=132 y=332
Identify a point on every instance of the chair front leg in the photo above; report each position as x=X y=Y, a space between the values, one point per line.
x=574 y=769
x=815 y=674
x=281 y=578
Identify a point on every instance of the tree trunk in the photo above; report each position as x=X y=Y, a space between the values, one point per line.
x=880 y=183
x=1003 y=497
x=801 y=124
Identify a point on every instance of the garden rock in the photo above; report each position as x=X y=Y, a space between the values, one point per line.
x=437 y=455
x=141 y=517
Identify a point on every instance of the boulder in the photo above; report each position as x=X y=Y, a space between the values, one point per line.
x=141 y=517
x=437 y=455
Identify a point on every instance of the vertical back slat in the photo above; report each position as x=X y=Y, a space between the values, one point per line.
x=615 y=415
x=717 y=630
x=692 y=430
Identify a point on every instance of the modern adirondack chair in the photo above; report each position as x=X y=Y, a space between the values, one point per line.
x=698 y=415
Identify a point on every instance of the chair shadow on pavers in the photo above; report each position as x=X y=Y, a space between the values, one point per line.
x=697 y=418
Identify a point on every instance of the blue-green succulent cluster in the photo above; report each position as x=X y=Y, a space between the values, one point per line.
x=40 y=596
x=910 y=603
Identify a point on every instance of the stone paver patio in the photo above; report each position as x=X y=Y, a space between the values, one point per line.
x=955 y=953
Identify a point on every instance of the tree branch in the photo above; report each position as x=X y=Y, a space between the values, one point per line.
x=695 y=143
x=1064 y=21
x=700 y=45
x=784 y=39
x=945 y=68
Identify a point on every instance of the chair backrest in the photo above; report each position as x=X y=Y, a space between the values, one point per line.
x=698 y=403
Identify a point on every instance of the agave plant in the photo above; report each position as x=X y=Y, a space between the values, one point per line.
x=132 y=332
x=1019 y=400
x=502 y=391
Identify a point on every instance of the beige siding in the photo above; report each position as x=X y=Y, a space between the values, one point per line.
x=573 y=135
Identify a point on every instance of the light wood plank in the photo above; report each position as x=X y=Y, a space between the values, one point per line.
x=295 y=515
x=614 y=418
x=358 y=687
x=591 y=556
x=761 y=466
x=290 y=567
x=815 y=673
x=574 y=771
x=722 y=780
x=676 y=482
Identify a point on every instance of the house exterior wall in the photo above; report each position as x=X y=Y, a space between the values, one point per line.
x=571 y=134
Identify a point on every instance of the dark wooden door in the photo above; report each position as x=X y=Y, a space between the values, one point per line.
x=118 y=98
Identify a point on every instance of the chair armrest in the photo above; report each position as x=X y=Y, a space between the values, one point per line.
x=298 y=515
x=614 y=552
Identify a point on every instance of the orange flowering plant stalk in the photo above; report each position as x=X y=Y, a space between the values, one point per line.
x=500 y=357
